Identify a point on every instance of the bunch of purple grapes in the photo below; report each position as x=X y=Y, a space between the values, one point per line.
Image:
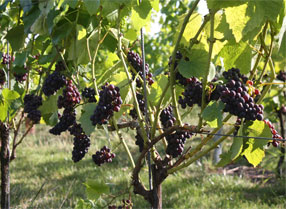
x=70 y=97
x=176 y=142
x=66 y=120
x=89 y=94
x=167 y=118
x=127 y=204
x=234 y=74
x=109 y=101
x=6 y=59
x=192 y=94
x=31 y=104
x=103 y=156
x=2 y=78
x=137 y=63
x=21 y=77
x=281 y=76
x=238 y=102
x=141 y=101
x=53 y=83
x=81 y=142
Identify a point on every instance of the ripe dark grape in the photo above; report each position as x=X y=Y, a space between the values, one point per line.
x=66 y=120
x=238 y=102
x=2 y=78
x=89 y=94
x=103 y=156
x=137 y=63
x=127 y=204
x=141 y=101
x=70 y=96
x=109 y=101
x=176 y=142
x=275 y=134
x=60 y=66
x=53 y=83
x=81 y=142
x=31 y=104
x=281 y=76
x=6 y=59
x=234 y=74
x=167 y=118
x=192 y=94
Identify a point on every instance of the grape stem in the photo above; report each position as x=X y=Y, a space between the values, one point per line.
x=194 y=40
x=172 y=67
x=211 y=43
x=123 y=142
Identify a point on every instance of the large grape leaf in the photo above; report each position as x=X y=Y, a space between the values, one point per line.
x=92 y=6
x=253 y=149
x=157 y=90
x=141 y=15
x=95 y=188
x=16 y=37
x=237 y=55
x=86 y=124
x=220 y=4
x=213 y=114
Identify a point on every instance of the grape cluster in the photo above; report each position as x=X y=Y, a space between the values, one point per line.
x=70 y=97
x=31 y=104
x=127 y=204
x=141 y=102
x=21 y=77
x=81 y=142
x=179 y=77
x=176 y=142
x=137 y=63
x=281 y=76
x=238 y=102
x=53 y=83
x=103 y=156
x=167 y=118
x=109 y=101
x=66 y=120
x=275 y=134
x=60 y=66
x=192 y=94
x=234 y=74
x=139 y=141
x=89 y=94
x=2 y=78
x=6 y=59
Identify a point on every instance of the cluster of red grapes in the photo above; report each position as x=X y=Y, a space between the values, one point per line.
x=137 y=63
x=179 y=77
x=237 y=100
x=81 y=142
x=21 y=77
x=281 y=76
x=275 y=134
x=65 y=121
x=53 y=83
x=103 y=156
x=2 y=78
x=176 y=142
x=6 y=59
x=109 y=101
x=234 y=74
x=141 y=102
x=192 y=94
x=70 y=97
x=89 y=95
x=31 y=104
x=167 y=118
x=127 y=204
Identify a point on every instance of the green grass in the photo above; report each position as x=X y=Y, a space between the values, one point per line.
x=44 y=176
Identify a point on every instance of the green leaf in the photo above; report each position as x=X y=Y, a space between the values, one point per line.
x=237 y=55
x=30 y=18
x=50 y=104
x=213 y=114
x=21 y=58
x=225 y=159
x=220 y=4
x=71 y=3
x=26 y=5
x=197 y=66
x=254 y=148
x=282 y=49
x=87 y=111
x=92 y=6
x=9 y=95
x=141 y=15
x=95 y=188
x=4 y=111
x=16 y=37
x=237 y=144
x=61 y=32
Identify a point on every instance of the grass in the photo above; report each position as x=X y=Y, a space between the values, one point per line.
x=44 y=176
